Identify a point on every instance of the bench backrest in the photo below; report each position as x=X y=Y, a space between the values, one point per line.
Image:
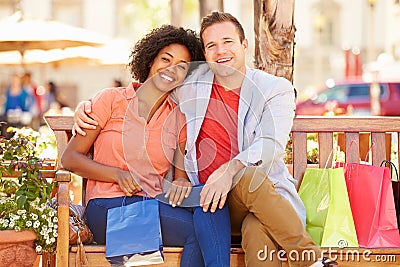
x=354 y=135
x=357 y=137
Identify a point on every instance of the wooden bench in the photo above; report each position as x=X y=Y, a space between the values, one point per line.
x=326 y=129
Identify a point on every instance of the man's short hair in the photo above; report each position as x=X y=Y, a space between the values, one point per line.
x=219 y=17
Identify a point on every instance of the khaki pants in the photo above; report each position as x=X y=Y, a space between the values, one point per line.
x=268 y=223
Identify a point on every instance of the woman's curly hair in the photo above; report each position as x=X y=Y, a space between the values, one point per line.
x=146 y=49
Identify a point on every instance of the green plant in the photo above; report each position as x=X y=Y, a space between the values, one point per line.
x=313 y=150
x=25 y=201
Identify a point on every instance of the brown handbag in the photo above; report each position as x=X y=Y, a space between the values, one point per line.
x=79 y=232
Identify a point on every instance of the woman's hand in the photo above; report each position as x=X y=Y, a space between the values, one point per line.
x=179 y=189
x=127 y=183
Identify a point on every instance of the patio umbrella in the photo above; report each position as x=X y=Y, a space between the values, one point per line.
x=38 y=57
x=114 y=52
x=18 y=34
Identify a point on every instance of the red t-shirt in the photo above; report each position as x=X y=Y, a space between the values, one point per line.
x=217 y=142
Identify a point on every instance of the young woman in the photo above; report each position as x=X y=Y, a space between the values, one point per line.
x=139 y=133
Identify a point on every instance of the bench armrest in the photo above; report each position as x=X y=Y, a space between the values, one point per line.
x=63 y=179
x=63 y=176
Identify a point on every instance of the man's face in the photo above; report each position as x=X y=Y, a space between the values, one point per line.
x=223 y=50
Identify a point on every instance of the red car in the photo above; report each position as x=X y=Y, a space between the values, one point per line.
x=352 y=98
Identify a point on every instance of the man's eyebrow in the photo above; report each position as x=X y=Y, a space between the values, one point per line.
x=209 y=43
x=224 y=38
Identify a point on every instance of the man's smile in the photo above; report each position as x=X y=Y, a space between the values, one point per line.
x=224 y=60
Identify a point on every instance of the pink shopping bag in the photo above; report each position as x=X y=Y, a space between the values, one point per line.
x=372 y=204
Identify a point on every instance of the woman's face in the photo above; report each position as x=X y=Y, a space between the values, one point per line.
x=170 y=66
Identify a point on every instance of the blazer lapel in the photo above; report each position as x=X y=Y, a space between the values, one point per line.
x=246 y=95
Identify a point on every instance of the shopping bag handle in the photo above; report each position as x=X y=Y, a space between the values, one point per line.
x=369 y=150
x=121 y=208
x=373 y=152
x=392 y=167
x=145 y=197
x=332 y=157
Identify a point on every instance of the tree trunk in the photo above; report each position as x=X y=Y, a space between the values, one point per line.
x=176 y=12
x=207 y=6
x=274 y=36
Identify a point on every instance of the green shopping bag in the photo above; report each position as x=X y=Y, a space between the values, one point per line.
x=329 y=220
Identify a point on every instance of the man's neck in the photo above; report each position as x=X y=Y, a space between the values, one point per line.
x=230 y=82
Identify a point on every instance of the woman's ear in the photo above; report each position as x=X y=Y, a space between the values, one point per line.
x=151 y=64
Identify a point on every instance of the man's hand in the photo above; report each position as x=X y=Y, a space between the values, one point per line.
x=218 y=185
x=179 y=189
x=82 y=120
x=127 y=183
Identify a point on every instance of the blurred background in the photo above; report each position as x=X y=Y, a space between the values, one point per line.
x=335 y=41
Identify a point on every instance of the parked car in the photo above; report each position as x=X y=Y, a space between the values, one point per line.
x=352 y=98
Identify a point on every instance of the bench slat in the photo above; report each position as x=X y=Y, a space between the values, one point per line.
x=299 y=155
x=325 y=141
x=100 y=248
x=378 y=147
x=352 y=147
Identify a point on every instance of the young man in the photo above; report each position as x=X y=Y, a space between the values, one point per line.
x=238 y=123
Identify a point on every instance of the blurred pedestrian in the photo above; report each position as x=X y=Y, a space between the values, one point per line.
x=35 y=109
x=32 y=89
x=117 y=83
x=53 y=99
x=18 y=102
x=51 y=95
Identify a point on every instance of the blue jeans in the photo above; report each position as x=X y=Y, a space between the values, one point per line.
x=213 y=231
x=177 y=226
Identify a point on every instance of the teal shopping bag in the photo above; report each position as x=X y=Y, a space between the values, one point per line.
x=133 y=234
x=329 y=220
